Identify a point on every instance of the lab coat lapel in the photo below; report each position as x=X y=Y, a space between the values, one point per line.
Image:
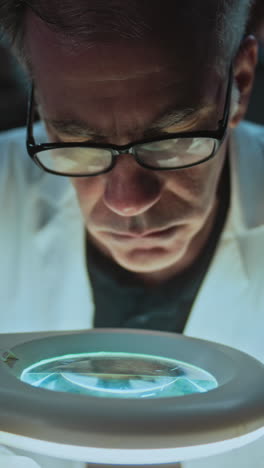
x=215 y=315
x=229 y=304
x=60 y=242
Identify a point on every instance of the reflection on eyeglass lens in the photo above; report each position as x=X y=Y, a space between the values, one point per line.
x=176 y=152
x=163 y=154
x=76 y=160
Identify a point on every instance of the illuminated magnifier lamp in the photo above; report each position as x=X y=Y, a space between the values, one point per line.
x=127 y=396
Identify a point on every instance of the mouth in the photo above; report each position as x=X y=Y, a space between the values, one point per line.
x=148 y=235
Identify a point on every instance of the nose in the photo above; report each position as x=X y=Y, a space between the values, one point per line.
x=130 y=189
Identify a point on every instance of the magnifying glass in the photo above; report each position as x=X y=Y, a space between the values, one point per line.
x=117 y=396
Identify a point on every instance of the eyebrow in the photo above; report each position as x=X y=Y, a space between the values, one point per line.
x=78 y=128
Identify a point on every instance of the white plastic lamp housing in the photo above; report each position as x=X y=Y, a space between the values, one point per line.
x=127 y=396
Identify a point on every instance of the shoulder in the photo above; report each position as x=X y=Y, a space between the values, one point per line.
x=34 y=197
x=247 y=146
x=247 y=169
x=250 y=128
x=20 y=176
x=12 y=135
x=16 y=138
x=15 y=163
x=11 y=140
x=250 y=134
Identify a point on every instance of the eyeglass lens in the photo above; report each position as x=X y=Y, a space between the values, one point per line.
x=163 y=154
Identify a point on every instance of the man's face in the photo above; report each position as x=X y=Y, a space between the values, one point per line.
x=148 y=222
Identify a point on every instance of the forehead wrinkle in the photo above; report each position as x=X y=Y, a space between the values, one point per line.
x=122 y=76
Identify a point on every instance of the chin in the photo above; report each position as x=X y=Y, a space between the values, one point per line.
x=147 y=260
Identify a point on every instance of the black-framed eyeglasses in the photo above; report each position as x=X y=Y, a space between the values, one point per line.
x=170 y=152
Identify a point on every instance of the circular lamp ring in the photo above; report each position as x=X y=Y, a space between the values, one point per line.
x=107 y=395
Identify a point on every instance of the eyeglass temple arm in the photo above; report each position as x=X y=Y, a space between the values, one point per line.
x=224 y=121
x=30 y=116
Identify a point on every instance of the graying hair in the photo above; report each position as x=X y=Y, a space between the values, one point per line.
x=81 y=20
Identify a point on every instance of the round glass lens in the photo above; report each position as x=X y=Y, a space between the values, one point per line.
x=75 y=160
x=119 y=375
x=175 y=152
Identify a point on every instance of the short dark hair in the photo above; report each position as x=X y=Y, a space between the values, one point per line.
x=81 y=20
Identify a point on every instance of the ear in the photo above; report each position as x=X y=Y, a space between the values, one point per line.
x=244 y=73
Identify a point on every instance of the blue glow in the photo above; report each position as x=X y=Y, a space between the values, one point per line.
x=118 y=375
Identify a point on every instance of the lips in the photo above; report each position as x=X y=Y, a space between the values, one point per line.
x=154 y=234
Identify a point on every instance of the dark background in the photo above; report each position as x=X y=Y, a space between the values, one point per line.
x=13 y=90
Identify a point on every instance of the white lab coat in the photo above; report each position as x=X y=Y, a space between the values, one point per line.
x=44 y=283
